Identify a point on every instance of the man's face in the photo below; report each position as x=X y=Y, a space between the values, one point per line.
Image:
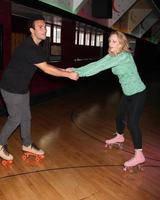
x=39 y=30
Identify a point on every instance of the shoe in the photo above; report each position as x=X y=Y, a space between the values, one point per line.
x=137 y=161
x=4 y=154
x=118 y=140
x=33 y=149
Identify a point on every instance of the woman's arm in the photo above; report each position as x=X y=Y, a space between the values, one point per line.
x=95 y=67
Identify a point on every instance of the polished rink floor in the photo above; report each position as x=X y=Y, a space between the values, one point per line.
x=72 y=128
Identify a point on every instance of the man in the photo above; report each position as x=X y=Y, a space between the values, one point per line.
x=15 y=82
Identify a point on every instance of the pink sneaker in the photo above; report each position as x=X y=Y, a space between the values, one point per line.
x=137 y=161
x=118 y=140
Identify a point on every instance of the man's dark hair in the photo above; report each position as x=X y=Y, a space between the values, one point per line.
x=33 y=19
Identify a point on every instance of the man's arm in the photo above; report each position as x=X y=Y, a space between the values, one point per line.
x=55 y=71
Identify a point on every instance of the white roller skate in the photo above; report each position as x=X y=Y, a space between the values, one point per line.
x=32 y=150
x=7 y=158
x=116 y=141
x=136 y=162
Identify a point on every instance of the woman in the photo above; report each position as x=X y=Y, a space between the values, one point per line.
x=121 y=62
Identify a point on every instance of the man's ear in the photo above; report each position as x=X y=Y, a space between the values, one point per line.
x=31 y=30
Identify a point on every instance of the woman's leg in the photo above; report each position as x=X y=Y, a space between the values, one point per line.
x=120 y=125
x=121 y=115
x=134 y=114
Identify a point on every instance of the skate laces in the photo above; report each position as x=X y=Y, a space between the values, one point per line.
x=33 y=146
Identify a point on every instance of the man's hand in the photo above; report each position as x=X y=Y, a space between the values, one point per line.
x=56 y=71
x=73 y=76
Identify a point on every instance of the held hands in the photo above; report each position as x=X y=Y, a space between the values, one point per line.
x=73 y=75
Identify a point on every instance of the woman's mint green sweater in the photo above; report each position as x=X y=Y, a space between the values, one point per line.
x=122 y=65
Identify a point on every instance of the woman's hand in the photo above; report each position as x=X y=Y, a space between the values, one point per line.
x=69 y=69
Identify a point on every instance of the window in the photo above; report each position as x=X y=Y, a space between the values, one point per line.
x=54 y=30
x=93 y=39
x=88 y=35
x=56 y=34
x=48 y=27
x=81 y=36
x=87 y=39
x=99 y=40
x=57 y=29
x=76 y=36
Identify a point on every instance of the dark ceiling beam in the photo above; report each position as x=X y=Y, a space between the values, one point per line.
x=57 y=11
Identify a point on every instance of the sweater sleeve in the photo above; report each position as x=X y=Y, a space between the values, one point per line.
x=104 y=63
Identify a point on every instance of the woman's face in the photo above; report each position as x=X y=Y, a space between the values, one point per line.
x=114 y=44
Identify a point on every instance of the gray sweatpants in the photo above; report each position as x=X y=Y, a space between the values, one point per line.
x=18 y=107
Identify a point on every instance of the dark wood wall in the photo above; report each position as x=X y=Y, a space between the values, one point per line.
x=146 y=54
x=5 y=21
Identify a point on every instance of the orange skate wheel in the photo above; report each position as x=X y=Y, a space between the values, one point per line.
x=10 y=161
x=24 y=157
x=37 y=158
x=4 y=163
x=42 y=156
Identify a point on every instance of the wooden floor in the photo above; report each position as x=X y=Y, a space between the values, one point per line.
x=72 y=128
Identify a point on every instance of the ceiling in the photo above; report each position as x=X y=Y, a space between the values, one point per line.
x=140 y=18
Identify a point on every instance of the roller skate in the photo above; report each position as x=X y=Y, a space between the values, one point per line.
x=116 y=141
x=136 y=162
x=32 y=150
x=7 y=158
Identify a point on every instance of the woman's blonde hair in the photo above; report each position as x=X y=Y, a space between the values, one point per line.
x=122 y=40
